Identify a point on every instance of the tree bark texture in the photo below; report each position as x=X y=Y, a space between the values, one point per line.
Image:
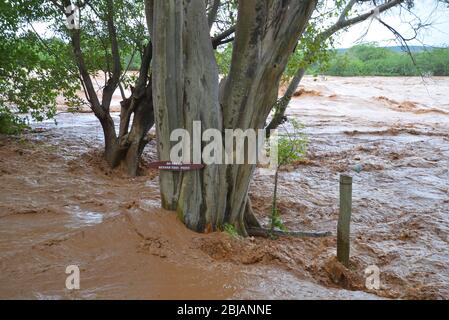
x=185 y=89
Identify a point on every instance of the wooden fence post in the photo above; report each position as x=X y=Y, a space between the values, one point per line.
x=344 y=220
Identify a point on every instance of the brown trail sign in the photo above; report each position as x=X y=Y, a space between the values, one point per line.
x=175 y=166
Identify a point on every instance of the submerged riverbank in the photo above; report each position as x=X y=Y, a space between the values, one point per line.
x=60 y=205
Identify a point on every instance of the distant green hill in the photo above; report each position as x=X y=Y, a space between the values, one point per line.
x=414 y=49
x=370 y=60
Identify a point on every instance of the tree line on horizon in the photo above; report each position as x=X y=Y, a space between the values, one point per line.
x=373 y=60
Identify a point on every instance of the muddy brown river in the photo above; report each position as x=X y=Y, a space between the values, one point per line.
x=60 y=205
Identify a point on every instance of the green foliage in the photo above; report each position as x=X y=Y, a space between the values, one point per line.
x=133 y=61
x=35 y=69
x=311 y=49
x=316 y=43
x=230 y=230
x=435 y=62
x=31 y=77
x=10 y=123
x=370 y=60
x=276 y=220
x=95 y=42
x=292 y=146
x=224 y=57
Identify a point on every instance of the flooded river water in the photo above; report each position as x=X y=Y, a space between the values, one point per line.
x=60 y=205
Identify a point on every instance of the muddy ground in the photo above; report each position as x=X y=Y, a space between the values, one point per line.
x=60 y=205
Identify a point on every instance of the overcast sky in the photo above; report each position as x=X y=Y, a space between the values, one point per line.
x=427 y=10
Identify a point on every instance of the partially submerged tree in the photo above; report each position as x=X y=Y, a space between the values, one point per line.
x=184 y=84
x=94 y=58
x=80 y=57
x=186 y=88
x=108 y=27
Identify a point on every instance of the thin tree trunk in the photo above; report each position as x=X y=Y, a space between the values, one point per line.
x=275 y=194
x=111 y=146
x=282 y=103
x=136 y=140
x=141 y=105
x=126 y=148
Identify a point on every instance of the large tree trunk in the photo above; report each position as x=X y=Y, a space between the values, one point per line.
x=185 y=89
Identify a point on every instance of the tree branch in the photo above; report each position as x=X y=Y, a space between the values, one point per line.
x=346 y=10
x=266 y=233
x=343 y=23
x=282 y=104
x=91 y=95
x=221 y=38
x=213 y=12
x=113 y=82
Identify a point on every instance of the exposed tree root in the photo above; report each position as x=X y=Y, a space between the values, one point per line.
x=253 y=227
x=249 y=216
x=267 y=233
